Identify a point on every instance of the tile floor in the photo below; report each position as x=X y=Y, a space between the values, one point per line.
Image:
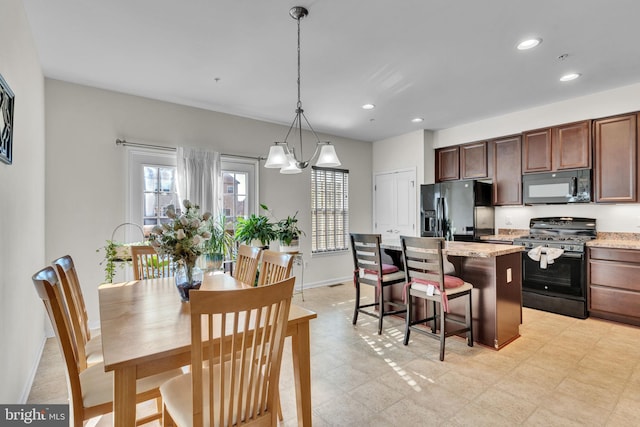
x=560 y=372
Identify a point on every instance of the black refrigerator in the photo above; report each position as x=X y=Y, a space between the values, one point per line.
x=456 y=210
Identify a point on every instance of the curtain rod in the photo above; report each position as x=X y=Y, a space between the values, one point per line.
x=126 y=143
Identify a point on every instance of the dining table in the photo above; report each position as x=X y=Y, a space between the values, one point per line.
x=146 y=330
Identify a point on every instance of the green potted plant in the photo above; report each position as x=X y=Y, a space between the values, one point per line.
x=219 y=245
x=289 y=233
x=256 y=230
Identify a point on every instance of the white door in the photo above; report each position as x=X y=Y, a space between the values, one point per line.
x=395 y=205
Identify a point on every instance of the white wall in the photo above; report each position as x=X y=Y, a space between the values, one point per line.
x=21 y=210
x=610 y=218
x=86 y=174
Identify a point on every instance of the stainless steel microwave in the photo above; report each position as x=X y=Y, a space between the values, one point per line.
x=557 y=187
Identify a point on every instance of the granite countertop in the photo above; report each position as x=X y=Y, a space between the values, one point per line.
x=470 y=249
x=616 y=241
x=506 y=235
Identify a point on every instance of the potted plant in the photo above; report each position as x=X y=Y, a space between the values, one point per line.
x=219 y=245
x=256 y=230
x=289 y=233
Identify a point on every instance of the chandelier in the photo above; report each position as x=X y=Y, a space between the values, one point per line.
x=281 y=155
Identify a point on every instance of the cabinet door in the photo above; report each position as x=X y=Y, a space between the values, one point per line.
x=616 y=155
x=448 y=164
x=473 y=160
x=507 y=171
x=572 y=146
x=536 y=151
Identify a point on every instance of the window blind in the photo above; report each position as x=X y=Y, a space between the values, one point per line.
x=329 y=210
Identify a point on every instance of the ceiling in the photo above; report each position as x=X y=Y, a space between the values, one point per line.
x=448 y=61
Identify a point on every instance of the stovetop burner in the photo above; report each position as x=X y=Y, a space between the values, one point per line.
x=567 y=233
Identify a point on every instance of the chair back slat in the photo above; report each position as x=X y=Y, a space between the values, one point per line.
x=250 y=324
x=75 y=306
x=247 y=264
x=275 y=267
x=148 y=264
x=366 y=252
x=423 y=258
x=48 y=286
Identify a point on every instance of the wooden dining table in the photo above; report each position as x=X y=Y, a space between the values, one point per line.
x=146 y=330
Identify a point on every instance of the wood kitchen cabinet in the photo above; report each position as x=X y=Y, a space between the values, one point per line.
x=473 y=160
x=616 y=156
x=557 y=148
x=507 y=170
x=448 y=164
x=614 y=284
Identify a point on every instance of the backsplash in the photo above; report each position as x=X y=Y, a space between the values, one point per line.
x=623 y=218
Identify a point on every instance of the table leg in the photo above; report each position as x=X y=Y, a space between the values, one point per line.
x=301 y=355
x=124 y=397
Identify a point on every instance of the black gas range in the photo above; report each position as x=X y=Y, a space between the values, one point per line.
x=554 y=267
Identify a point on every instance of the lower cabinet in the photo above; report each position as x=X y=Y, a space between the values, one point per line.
x=614 y=284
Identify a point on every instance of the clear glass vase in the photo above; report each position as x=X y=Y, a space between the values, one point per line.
x=187 y=277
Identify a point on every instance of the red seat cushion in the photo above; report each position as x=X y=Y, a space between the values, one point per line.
x=386 y=269
x=449 y=282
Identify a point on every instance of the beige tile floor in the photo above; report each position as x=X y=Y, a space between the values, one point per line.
x=560 y=372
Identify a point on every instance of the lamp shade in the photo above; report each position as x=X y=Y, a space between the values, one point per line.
x=328 y=156
x=277 y=157
x=291 y=167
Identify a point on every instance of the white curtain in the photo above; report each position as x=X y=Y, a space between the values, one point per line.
x=200 y=178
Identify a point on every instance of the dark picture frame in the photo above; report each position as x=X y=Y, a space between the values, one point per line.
x=6 y=122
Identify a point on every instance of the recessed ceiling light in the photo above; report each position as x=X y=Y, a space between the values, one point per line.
x=417 y=120
x=368 y=107
x=569 y=77
x=529 y=44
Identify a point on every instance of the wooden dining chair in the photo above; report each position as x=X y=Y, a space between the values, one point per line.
x=89 y=346
x=274 y=267
x=91 y=388
x=423 y=264
x=369 y=270
x=247 y=264
x=243 y=389
x=148 y=264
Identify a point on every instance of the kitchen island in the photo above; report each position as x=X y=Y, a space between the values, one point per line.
x=495 y=271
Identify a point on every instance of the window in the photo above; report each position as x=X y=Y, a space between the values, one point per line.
x=159 y=192
x=240 y=184
x=329 y=210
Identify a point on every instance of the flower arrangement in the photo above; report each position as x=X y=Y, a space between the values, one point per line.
x=183 y=237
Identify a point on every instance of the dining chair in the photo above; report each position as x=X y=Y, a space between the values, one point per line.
x=274 y=267
x=369 y=270
x=247 y=264
x=91 y=388
x=148 y=264
x=423 y=264
x=89 y=346
x=224 y=390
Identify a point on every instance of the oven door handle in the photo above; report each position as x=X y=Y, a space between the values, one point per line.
x=573 y=255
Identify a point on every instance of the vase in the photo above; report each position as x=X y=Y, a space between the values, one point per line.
x=213 y=261
x=187 y=277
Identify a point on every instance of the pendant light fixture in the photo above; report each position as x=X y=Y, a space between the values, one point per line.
x=281 y=155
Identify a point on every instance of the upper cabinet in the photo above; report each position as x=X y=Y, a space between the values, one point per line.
x=507 y=172
x=448 y=164
x=561 y=147
x=616 y=157
x=473 y=160
x=468 y=161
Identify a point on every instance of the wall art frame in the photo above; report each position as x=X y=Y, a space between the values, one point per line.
x=7 y=99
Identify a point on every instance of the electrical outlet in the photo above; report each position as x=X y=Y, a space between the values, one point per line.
x=507 y=220
x=509 y=278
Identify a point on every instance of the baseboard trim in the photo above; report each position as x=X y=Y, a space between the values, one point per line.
x=34 y=369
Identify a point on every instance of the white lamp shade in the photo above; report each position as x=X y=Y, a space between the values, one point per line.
x=276 y=158
x=291 y=167
x=328 y=156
